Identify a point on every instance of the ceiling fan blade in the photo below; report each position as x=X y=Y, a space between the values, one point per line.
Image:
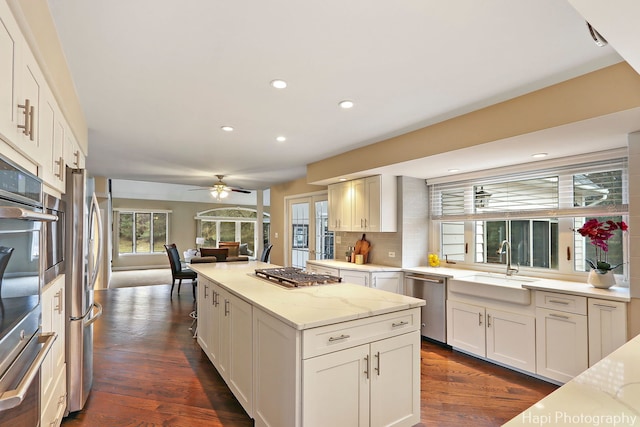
x=239 y=190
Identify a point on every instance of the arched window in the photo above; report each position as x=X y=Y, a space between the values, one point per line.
x=231 y=225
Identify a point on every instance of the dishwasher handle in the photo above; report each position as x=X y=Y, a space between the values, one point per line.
x=425 y=279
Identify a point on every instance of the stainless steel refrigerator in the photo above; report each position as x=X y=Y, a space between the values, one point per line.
x=83 y=260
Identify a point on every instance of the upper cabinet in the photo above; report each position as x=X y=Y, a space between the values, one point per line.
x=31 y=120
x=366 y=204
x=21 y=85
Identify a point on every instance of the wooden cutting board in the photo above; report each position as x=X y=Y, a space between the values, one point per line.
x=363 y=247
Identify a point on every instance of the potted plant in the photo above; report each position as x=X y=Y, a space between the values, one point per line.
x=599 y=233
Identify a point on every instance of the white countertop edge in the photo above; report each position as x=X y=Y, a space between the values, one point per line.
x=304 y=308
x=344 y=265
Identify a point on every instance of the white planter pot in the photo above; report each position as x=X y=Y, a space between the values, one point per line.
x=602 y=281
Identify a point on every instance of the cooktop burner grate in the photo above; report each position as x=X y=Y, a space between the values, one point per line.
x=296 y=277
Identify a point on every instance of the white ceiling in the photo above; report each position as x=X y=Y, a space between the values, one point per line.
x=158 y=78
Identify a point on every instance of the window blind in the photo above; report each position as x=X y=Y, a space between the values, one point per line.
x=587 y=189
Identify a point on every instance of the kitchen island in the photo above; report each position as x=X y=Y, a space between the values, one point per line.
x=334 y=354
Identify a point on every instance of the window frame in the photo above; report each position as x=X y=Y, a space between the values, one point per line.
x=564 y=214
x=152 y=243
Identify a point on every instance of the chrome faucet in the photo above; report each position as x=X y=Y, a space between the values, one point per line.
x=506 y=244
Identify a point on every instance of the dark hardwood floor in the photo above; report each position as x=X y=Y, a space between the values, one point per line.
x=149 y=371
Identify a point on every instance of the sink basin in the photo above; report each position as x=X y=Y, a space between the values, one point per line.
x=498 y=287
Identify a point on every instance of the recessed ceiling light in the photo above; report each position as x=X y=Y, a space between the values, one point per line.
x=281 y=139
x=346 y=104
x=540 y=155
x=454 y=170
x=342 y=179
x=227 y=128
x=278 y=84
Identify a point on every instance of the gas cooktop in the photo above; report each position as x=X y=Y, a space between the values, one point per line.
x=292 y=277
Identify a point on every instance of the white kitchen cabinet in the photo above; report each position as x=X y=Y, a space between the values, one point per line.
x=366 y=204
x=561 y=336
x=383 y=280
x=74 y=157
x=10 y=44
x=314 y=268
x=607 y=327
x=29 y=91
x=52 y=135
x=366 y=375
x=224 y=334
x=501 y=336
x=362 y=278
x=390 y=281
x=374 y=204
x=53 y=378
x=339 y=199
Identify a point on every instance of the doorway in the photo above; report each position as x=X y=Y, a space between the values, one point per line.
x=309 y=237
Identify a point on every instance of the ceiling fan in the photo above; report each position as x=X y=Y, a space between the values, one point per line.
x=220 y=190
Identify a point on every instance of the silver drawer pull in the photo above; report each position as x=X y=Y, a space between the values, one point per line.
x=395 y=325
x=559 y=315
x=605 y=306
x=555 y=301
x=341 y=337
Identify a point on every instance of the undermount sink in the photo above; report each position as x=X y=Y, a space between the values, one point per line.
x=493 y=286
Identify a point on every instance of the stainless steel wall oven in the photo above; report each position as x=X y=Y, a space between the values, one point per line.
x=22 y=346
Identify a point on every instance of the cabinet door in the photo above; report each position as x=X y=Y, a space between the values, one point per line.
x=465 y=327
x=205 y=308
x=29 y=97
x=355 y=277
x=387 y=281
x=314 y=268
x=335 y=388
x=359 y=205
x=607 y=327
x=395 y=381
x=51 y=129
x=52 y=378
x=215 y=335
x=237 y=340
x=9 y=57
x=561 y=344
x=373 y=203
x=511 y=339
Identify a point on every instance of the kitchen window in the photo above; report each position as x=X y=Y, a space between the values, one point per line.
x=142 y=232
x=537 y=211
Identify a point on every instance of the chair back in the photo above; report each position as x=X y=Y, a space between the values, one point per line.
x=266 y=253
x=174 y=258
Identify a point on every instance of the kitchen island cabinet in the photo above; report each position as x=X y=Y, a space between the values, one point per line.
x=294 y=331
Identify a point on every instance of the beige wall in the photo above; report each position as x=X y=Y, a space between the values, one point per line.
x=278 y=194
x=611 y=89
x=182 y=229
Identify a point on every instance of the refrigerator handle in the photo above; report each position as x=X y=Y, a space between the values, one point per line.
x=95 y=317
x=96 y=259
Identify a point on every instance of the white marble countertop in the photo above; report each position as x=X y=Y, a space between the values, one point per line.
x=307 y=307
x=607 y=394
x=344 y=265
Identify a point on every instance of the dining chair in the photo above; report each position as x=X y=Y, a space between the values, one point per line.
x=266 y=253
x=178 y=272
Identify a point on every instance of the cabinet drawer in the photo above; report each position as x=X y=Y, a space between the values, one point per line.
x=562 y=302
x=326 y=339
x=56 y=404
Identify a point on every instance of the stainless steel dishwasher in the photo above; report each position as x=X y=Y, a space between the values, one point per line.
x=432 y=289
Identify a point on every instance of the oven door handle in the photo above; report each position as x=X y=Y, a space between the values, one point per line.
x=14 y=212
x=12 y=398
